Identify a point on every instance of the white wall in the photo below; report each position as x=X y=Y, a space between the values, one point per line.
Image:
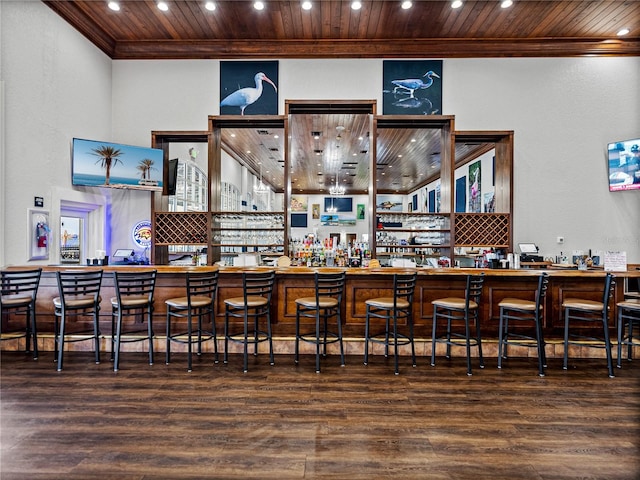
x=563 y=111
x=56 y=86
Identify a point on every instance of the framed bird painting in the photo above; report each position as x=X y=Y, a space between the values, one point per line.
x=412 y=87
x=249 y=88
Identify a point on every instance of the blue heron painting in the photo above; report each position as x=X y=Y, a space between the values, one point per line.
x=412 y=87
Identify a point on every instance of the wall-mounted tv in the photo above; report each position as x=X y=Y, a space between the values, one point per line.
x=338 y=204
x=172 y=178
x=106 y=164
x=623 y=161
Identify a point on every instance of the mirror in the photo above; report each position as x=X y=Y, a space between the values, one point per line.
x=252 y=168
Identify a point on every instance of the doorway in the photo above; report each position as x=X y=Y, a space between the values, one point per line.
x=70 y=239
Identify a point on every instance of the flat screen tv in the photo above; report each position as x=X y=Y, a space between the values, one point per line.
x=623 y=161
x=172 y=177
x=106 y=164
x=340 y=204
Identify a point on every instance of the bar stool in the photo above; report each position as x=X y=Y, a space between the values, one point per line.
x=255 y=303
x=79 y=297
x=518 y=310
x=18 y=296
x=199 y=303
x=325 y=304
x=589 y=311
x=466 y=309
x=628 y=317
x=134 y=297
x=394 y=309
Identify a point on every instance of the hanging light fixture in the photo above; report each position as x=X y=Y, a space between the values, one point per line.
x=337 y=189
x=260 y=188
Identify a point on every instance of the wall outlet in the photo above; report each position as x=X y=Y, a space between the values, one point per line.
x=560 y=239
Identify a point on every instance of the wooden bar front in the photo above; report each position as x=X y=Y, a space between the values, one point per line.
x=361 y=285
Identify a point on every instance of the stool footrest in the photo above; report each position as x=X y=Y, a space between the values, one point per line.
x=311 y=337
x=252 y=336
x=184 y=337
x=381 y=338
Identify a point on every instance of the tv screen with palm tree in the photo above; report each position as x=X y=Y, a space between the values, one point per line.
x=114 y=165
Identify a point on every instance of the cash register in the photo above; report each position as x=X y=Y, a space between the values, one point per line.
x=123 y=256
x=529 y=253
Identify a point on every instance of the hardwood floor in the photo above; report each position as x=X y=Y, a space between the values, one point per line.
x=287 y=422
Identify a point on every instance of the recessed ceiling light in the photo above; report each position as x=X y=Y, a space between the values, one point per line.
x=356 y=5
x=115 y=6
x=456 y=4
x=622 y=32
x=506 y=3
x=163 y=6
x=306 y=5
x=258 y=5
x=210 y=6
x=406 y=5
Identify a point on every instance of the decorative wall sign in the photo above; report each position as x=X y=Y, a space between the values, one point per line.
x=249 y=88
x=412 y=87
x=141 y=234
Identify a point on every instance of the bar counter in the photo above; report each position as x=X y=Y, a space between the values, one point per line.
x=362 y=284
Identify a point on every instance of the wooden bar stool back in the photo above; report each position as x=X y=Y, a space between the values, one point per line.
x=394 y=310
x=324 y=305
x=460 y=309
x=18 y=297
x=134 y=298
x=198 y=304
x=516 y=310
x=628 y=320
x=79 y=298
x=589 y=311
x=254 y=304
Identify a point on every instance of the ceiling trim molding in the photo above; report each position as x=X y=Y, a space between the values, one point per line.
x=406 y=48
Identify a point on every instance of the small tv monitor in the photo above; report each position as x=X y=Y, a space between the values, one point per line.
x=172 y=176
x=338 y=204
x=115 y=165
x=623 y=163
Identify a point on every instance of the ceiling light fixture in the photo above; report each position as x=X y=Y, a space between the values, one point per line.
x=506 y=3
x=115 y=6
x=337 y=189
x=306 y=5
x=210 y=6
x=163 y=6
x=406 y=5
x=456 y=4
x=356 y=5
x=258 y=5
x=260 y=188
x=622 y=32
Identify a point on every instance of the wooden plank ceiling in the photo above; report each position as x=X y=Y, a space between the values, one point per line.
x=406 y=158
x=331 y=29
x=325 y=148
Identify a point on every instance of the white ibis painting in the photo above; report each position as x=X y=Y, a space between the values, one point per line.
x=246 y=96
x=413 y=84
